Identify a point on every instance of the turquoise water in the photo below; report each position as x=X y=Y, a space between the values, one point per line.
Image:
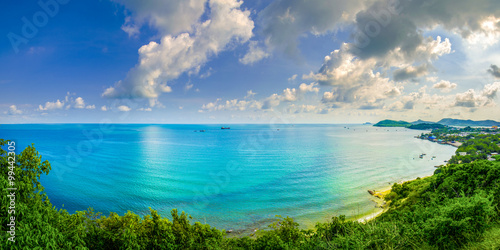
x=233 y=179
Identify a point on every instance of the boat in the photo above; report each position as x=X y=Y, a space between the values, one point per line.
x=225 y=128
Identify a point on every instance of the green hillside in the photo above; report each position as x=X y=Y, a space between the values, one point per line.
x=392 y=123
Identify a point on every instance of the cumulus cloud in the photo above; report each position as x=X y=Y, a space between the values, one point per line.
x=254 y=54
x=410 y=72
x=161 y=62
x=271 y=101
x=169 y=16
x=387 y=25
x=292 y=94
x=104 y=108
x=124 y=108
x=14 y=111
x=409 y=101
x=304 y=88
x=353 y=80
x=471 y=99
x=284 y=21
x=363 y=82
x=494 y=70
x=488 y=34
x=79 y=103
x=445 y=86
x=145 y=109
x=51 y=105
x=69 y=102
x=274 y=100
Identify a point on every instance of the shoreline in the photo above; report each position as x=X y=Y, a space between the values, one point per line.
x=378 y=197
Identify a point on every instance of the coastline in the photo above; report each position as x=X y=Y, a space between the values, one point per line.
x=378 y=198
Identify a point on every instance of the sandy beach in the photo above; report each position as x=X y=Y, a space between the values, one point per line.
x=378 y=197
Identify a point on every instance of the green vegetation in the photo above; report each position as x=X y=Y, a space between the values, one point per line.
x=391 y=123
x=457 y=207
x=426 y=126
x=479 y=147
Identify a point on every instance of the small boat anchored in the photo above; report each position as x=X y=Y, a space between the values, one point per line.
x=225 y=128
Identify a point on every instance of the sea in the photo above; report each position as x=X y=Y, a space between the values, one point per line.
x=237 y=179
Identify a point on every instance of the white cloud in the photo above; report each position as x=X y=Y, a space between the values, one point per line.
x=79 y=103
x=271 y=102
x=292 y=94
x=445 y=86
x=288 y=95
x=104 y=108
x=363 y=82
x=254 y=54
x=250 y=94
x=145 y=109
x=292 y=78
x=175 y=55
x=169 y=16
x=14 y=111
x=234 y=104
x=304 y=88
x=51 y=105
x=124 y=108
x=68 y=103
x=488 y=33
x=471 y=99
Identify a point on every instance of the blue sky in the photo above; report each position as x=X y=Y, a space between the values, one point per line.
x=229 y=61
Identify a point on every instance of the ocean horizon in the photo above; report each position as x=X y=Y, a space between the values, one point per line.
x=235 y=179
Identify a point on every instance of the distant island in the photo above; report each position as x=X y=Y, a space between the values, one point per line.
x=391 y=123
x=427 y=125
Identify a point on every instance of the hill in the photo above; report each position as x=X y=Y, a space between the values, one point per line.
x=426 y=126
x=420 y=122
x=459 y=122
x=392 y=123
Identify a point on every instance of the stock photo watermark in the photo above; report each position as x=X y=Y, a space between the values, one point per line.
x=11 y=190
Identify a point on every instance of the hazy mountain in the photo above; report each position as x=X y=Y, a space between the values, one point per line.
x=420 y=122
x=459 y=122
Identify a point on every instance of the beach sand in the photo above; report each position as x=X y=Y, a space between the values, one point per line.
x=378 y=197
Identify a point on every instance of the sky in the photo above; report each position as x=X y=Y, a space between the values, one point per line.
x=230 y=61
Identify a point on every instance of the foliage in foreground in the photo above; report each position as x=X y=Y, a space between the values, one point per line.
x=457 y=207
